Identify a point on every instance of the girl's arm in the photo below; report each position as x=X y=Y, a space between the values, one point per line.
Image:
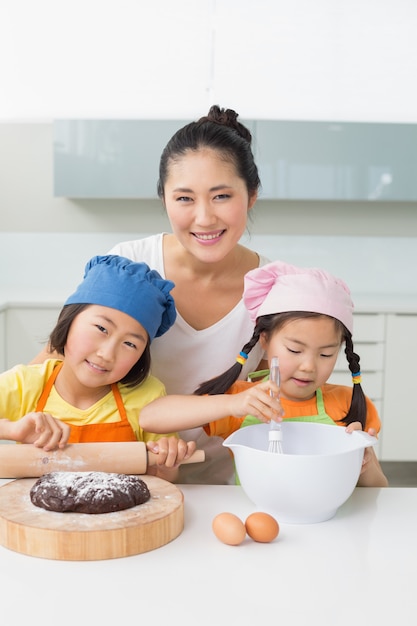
x=179 y=412
x=371 y=472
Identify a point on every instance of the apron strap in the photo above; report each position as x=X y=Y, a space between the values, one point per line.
x=119 y=401
x=47 y=389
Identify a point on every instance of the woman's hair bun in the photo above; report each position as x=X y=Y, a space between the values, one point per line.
x=227 y=117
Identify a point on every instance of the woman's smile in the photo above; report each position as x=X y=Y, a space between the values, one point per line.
x=209 y=238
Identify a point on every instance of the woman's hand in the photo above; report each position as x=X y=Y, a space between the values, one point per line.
x=41 y=429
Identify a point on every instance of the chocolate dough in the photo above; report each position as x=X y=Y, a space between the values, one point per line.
x=88 y=492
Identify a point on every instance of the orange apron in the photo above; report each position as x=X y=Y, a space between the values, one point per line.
x=114 y=431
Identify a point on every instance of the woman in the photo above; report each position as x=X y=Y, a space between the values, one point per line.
x=208 y=183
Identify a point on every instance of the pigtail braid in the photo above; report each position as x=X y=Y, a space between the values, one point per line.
x=220 y=384
x=357 y=409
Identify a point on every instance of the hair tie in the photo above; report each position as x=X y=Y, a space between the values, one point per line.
x=357 y=378
x=241 y=358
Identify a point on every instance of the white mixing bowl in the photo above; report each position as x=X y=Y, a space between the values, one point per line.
x=315 y=474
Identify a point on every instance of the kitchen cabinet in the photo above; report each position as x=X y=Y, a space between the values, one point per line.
x=310 y=160
x=369 y=344
x=297 y=160
x=399 y=414
x=110 y=158
x=28 y=329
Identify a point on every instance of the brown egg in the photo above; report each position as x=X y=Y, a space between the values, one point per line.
x=229 y=529
x=262 y=527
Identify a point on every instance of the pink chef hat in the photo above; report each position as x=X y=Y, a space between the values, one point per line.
x=279 y=287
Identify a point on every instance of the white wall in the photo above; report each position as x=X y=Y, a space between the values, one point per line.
x=278 y=59
x=46 y=267
x=347 y=60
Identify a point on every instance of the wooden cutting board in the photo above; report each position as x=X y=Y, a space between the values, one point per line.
x=31 y=530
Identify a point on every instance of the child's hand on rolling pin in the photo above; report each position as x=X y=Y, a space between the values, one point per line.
x=171 y=451
x=41 y=429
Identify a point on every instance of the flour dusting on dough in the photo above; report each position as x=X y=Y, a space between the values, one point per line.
x=88 y=492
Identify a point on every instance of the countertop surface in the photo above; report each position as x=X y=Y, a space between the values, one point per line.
x=358 y=568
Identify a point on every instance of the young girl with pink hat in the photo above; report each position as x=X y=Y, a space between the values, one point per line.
x=303 y=316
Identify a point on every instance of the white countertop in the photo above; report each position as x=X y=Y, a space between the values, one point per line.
x=359 y=569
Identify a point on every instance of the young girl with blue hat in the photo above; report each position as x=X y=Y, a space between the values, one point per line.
x=96 y=393
x=303 y=316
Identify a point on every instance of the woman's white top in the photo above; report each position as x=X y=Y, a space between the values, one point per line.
x=184 y=357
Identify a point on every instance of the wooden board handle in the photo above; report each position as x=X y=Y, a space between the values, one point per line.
x=28 y=461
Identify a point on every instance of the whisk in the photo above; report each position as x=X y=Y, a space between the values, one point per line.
x=275 y=432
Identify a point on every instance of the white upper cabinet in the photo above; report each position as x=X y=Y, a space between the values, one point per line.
x=296 y=160
x=337 y=161
x=109 y=158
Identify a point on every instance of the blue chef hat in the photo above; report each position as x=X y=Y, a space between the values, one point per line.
x=132 y=288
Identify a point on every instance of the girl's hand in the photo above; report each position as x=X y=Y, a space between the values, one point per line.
x=41 y=429
x=371 y=474
x=367 y=456
x=171 y=451
x=355 y=426
x=260 y=400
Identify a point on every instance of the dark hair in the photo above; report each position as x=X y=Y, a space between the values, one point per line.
x=269 y=324
x=219 y=131
x=59 y=335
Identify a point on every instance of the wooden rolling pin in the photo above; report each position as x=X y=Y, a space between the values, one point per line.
x=28 y=461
